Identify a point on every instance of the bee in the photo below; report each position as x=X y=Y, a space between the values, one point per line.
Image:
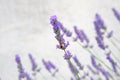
x=61 y=44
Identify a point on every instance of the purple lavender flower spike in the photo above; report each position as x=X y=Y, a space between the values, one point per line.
x=19 y=65
x=77 y=62
x=116 y=13
x=22 y=75
x=67 y=55
x=114 y=65
x=94 y=62
x=34 y=65
x=73 y=69
x=51 y=65
x=105 y=73
x=84 y=36
x=98 y=30
x=80 y=35
x=100 y=43
x=46 y=65
x=100 y=21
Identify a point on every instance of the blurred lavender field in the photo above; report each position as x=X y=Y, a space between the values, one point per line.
x=25 y=29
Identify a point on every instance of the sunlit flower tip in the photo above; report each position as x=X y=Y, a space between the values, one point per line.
x=116 y=13
x=109 y=35
x=34 y=65
x=67 y=55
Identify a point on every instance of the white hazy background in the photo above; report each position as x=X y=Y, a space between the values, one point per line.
x=25 y=28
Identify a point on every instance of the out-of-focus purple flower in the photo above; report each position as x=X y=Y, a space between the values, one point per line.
x=93 y=61
x=91 y=78
x=99 y=21
x=24 y=75
x=85 y=74
x=67 y=55
x=49 y=65
x=100 y=43
x=109 y=35
x=19 y=64
x=105 y=73
x=98 y=31
x=46 y=65
x=80 y=35
x=65 y=31
x=109 y=58
x=34 y=65
x=73 y=69
x=77 y=62
x=93 y=71
x=116 y=13
x=27 y=76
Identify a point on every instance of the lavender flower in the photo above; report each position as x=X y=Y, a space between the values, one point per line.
x=46 y=65
x=49 y=65
x=100 y=43
x=56 y=27
x=116 y=13
x=105 y=73
x=93 y=61
x=67 y=55
x=73 y=69
x=34 y=65
x=114 y=65
x=19 y=64
x=28 y=76
x=77 y=62
x=98 y=30
x=99 y=21
x=80 y=35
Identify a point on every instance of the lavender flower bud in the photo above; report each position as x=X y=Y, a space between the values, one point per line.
x=114 y=65
x=67 y=55
x=116 y=13
x=34 y=65
x=77 y=62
